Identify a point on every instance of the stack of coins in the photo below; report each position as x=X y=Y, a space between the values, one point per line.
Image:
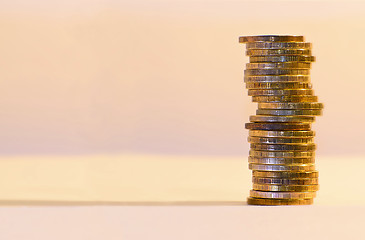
x=282 y=150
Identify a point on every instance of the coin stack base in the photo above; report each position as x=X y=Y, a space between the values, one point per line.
x=282 y=147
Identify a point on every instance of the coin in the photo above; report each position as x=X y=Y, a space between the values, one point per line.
x=278 y=168
x=271 y=52
x=266 y=118
x=279 y=99
x=272 y=140
x=285 y=188
x=271 y=38
x=291 y=105
x=278 y=78
x=281 y=65
x=278 y=45
x=281 y=154
x=282 y=195
x=308 y=174
x=285 y=181
x=280 y=161
x=283 y=147
x=278 y=126
x=282 y=58
x=278 y=92
x=278 y=202
x=288 y=134
x=277 y=85
x=254 y=72
x=281 y=112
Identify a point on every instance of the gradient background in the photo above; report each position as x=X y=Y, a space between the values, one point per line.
x=164 y=77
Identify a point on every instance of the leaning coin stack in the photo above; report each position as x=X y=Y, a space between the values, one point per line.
x=282 y=150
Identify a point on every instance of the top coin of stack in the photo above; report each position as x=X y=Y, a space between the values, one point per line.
x=282 y=148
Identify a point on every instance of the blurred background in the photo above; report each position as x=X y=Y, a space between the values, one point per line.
x=164 y=77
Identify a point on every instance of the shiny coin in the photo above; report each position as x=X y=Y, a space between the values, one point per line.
x=285 y=188
x=276 y=85
x=291 y=105
x=271 y=38
x=255 y=72
x=281 y=65
x=287 y=134
x=283 y=147
x=279 y=92
x=278 y=78
x=283 y=119
x=281 y=154
x=279 y=99
x=282 y=112
x=272 y=140
x=278 y=168
x=285 y=181
x=282 y=195
x=281 y=161
x=278 y=202
x=310 y=174
x=270 y=52
x=278 y=126
x=278 y=45
x=283 y=58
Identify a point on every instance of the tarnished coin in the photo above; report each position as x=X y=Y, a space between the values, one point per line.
x=277 y=126
x=285 y=188
x=255 y=72
x=279 y=99
x=279 y=92
x=291 y=105
x=271 y=38
x=281 y=161
x=281 y=154
x=281 y=65
x=287 y=134
x=285 y=195
x=271 y=140
x=283 y=147
x=270 y=52
x=282 y=119
x=276 y=85
x=282 y=112
x=278 y=78
x=278 y=202
x=282 y=58
x=288 y=174
x=278 y=168
x=278 y=45
x=285 y=181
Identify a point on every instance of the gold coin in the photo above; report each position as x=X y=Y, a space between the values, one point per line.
x=283 y=98
x=285 y=181
x=287 y=134
x=279 y=168
x=279 y=92
x=271 y=140
x=281 y=65
x=283 y=147
x=255 y=72
x=282 y=195
x=277 y=126
x=283 y=58
x=281 y=154
x=285 y=188
x=277 y=78
x=289 y=174
x=278 y=202
x=271 y=38
x=281 y=161
x=270 y=52
x=282 y=112
x=278 y=45
x=282 y=119
x=291 y=105
x=276 y=85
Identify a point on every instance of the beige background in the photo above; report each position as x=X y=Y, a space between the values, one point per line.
x=163 y=77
